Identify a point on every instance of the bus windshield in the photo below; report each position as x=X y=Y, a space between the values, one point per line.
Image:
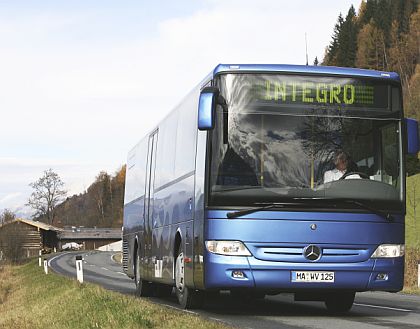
x=279 y=138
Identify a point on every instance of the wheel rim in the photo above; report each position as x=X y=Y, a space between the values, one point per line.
x=179 y=273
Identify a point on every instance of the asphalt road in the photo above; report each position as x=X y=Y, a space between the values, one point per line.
x=372 y=310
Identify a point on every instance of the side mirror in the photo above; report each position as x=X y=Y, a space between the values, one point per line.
x=412 y=136
x=207 y=107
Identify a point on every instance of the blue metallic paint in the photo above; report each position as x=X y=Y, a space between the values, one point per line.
x=347 y=240
x=412 y=136
x=173 y=214
x=306 y=69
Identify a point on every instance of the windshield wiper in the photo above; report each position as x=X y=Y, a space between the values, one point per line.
x=239 y=213
x=386 y=215
x=234 y=214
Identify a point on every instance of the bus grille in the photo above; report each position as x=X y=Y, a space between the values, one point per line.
x=295 y=253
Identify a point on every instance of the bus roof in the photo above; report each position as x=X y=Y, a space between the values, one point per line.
x=306 y=69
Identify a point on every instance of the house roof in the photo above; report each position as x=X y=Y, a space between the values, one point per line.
x=39 y=225
x=90 y=234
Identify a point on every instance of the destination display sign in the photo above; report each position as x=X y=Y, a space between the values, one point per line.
x=322 y=91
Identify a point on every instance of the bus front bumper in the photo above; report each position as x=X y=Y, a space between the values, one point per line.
x=229 y=272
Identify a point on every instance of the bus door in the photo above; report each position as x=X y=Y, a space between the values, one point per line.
x=148 y=205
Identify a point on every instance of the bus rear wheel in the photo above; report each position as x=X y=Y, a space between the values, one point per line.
x=340 y=302
x=188 y=298
x=143 y=288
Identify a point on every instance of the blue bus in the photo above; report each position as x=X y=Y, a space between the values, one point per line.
x=269 y=179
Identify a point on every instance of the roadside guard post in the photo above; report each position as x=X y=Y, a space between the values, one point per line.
x=79 y=268
x=39 y=259
x=418 y=274
x=45 y=266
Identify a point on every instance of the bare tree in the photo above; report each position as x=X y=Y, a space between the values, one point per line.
x=7 y=216
x=11 y=243
x=48 y=193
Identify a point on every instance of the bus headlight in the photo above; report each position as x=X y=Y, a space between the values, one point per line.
x=227 y=248
x=389 y=251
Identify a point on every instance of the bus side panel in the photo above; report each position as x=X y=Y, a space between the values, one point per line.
x=133 y=221
x=200 y=173
x=173 y=206
x=173 y=211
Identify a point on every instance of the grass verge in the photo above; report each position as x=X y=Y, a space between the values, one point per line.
x=30 y=299
x=412 y=258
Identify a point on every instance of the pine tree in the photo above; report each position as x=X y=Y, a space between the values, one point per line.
x=347 y=40
x=330 y=58
x=366 y=11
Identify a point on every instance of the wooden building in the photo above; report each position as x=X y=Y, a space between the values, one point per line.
x=23 y=238
x=90 y=238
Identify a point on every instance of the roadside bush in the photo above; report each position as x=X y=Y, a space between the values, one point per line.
x=5 y=286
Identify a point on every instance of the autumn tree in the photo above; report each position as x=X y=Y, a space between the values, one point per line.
x=101 y=192
x=48 y=193
x=371 y=53
x=413 y=101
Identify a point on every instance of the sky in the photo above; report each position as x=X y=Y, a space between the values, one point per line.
x=81 y=82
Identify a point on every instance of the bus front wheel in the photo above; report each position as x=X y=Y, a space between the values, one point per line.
x=187 y=297
x=340 y=302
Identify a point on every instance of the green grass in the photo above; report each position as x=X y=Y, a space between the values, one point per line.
x=412 y=234
x=31 y=299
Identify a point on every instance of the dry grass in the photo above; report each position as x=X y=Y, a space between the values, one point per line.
x=33 y=300
x=412 y=258
x=5 y=283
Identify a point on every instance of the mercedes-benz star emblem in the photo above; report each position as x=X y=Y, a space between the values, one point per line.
x=312 y=252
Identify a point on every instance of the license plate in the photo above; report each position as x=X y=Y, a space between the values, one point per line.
x=312 y=276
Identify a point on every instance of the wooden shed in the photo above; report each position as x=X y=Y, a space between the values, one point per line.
x=23 y=238
x=90 y=238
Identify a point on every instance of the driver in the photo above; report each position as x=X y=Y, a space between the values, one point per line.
x=342 y=164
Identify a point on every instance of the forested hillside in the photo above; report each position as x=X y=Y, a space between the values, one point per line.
x=101 y=205
x=382 y=35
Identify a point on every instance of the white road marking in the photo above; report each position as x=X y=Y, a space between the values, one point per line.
x=50 y=260
x=104 y=268
x=384 y=307
x=121 y=273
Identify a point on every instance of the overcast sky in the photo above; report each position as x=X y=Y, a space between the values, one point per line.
x=82 y=81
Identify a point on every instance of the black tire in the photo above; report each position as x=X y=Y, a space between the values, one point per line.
x=188 y=298
x=340 y=302
x=143 y=288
